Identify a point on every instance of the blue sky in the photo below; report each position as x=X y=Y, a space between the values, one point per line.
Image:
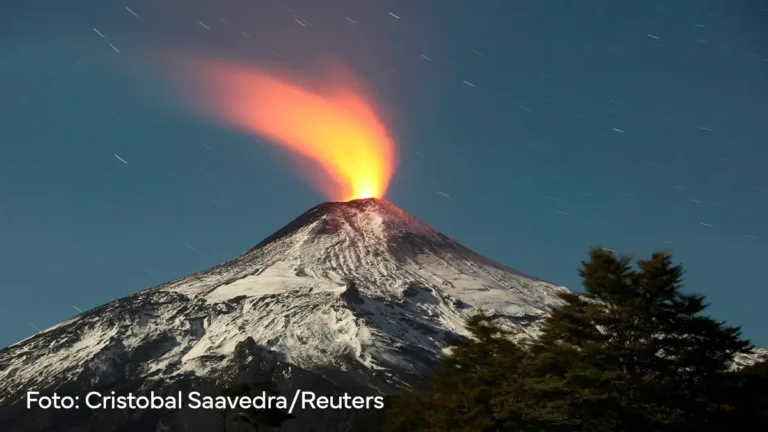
x=633 y=125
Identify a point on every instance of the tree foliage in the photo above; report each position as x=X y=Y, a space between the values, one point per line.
x=633 y=353
x=254 y=419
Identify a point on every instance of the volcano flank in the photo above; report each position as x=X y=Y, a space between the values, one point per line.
x=356 y=296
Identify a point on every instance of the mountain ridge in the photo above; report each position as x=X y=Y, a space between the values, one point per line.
x=356 y=296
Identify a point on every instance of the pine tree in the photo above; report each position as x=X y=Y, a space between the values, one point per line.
x=466 y=389
x=253 y=419
x=642 y=356
x=747 y=391
x=633 y=353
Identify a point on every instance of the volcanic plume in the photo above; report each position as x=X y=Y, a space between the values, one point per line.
x=330 y=121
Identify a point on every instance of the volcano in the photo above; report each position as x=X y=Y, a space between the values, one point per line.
x=356 y=296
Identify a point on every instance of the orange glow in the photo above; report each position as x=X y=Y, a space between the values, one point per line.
x=331 y=123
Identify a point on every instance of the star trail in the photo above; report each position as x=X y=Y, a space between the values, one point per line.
x=528 y=130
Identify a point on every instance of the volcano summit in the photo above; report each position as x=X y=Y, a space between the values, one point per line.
x=358 y=296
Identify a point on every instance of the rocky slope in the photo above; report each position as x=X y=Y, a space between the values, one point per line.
x=358 y=297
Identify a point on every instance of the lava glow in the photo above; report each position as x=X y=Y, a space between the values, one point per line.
x=330 y=123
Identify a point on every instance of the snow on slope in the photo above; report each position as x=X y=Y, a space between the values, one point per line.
x=348 y=286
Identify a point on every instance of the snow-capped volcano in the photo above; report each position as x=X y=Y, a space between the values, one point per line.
x=359 y=293
x=357 y=296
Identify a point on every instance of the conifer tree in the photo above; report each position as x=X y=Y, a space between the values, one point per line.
x=467 y=387
x=632 y=353
x=747 y=390
x=641 y=356
x=253 y=419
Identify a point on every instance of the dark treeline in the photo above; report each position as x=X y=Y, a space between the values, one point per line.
x=633 y=353
x=256 y=420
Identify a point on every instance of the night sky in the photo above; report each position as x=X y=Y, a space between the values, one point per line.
x=528 y=130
